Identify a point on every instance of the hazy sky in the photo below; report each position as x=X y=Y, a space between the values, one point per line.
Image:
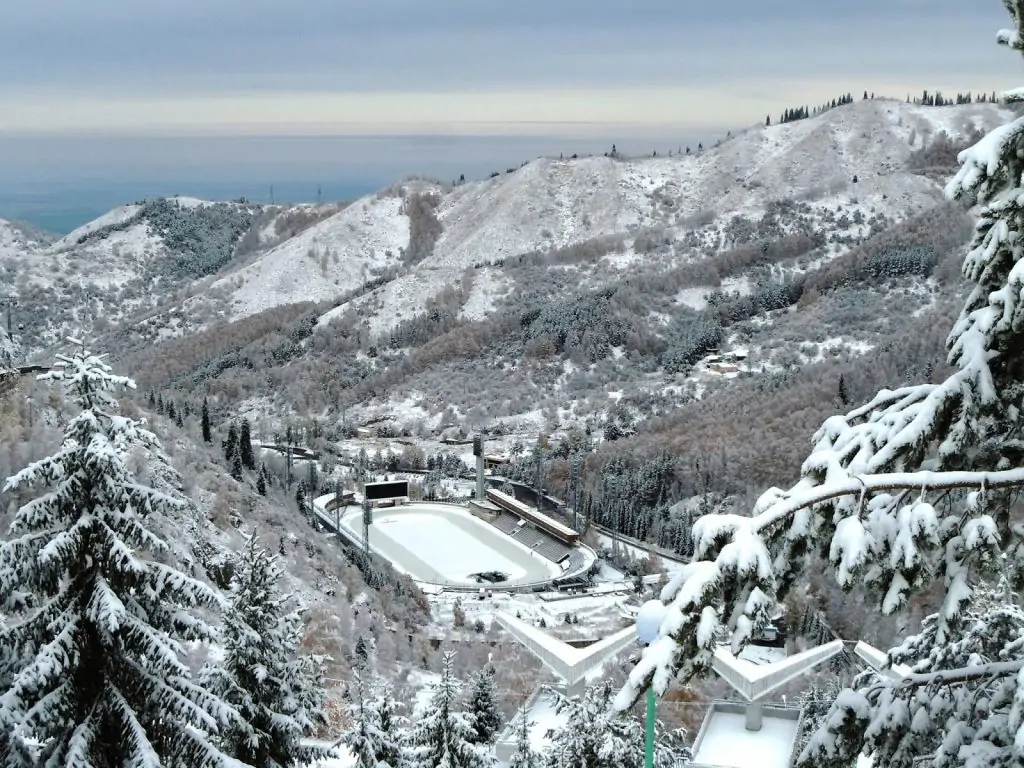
x=75 y=73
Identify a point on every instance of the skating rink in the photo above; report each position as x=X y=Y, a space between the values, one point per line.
x=444 y=544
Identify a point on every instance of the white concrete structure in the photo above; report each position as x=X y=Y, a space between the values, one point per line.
x=571 y=665
x=735 y=735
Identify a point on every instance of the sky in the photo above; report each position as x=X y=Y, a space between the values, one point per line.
x=105 y=90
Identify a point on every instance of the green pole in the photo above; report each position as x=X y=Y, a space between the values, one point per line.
x=649 y=758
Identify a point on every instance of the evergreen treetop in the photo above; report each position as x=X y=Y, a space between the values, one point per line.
x=277 y=692
x=443 y=736
x=91 y=653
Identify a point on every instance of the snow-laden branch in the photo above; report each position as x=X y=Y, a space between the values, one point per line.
x=956 y=676
x=892 y=481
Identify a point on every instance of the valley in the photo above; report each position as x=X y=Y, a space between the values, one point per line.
x=648 y=340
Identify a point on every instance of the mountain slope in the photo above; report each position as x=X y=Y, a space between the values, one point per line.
x=853 y=156
x=325 y=260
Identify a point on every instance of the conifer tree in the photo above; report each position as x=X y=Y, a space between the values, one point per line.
x=915 y=487
x=444 y=736
x=206 y=422
x=300 y=500
x=487 y=720
x=390 y=724
x=91 y=652
x=367 y=739
x=277 y=692
x=245 y=445
x=597 y=737
x=261 y=482
x=230 y=444
x=236 y=467
x=524 y=756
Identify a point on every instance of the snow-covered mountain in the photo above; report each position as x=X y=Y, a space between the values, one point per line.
x=848 y=159
x=853 y=156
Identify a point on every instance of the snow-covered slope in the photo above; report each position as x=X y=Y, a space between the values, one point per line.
x=111 y=218
x=16 y=241
x=325 y=260
x=854 y=155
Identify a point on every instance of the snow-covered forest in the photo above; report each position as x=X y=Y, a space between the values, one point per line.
x=826 y=306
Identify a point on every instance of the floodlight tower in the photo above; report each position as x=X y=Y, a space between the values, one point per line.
x=337 y=505
x=367 y=519
x=478 y=452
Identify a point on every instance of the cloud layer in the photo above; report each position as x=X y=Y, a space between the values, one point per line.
x=467 y=66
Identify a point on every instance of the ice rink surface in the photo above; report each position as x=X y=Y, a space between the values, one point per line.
x=444 y=544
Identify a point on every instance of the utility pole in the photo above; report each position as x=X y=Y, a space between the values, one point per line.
x=9 y=301
x=574 y=481
x=319 y=194
x=271 y=194
x=288 y=454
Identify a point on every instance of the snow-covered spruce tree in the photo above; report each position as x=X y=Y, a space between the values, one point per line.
x=597 y=737
x=390 y=723
x=276 y=692
x=524 y=756
x=815 y=702
x=368 y=740
x=205 y=421
x=443 y=736
x=245 y=446
x=91 y=670
x=913 y=487
x=486 y=718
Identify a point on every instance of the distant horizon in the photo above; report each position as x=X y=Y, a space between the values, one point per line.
x=91 y=175
x=59 y=212
x=60 y=183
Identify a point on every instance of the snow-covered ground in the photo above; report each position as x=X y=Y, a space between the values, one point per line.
x=343 y=758
x=727 y=742
x=543 y=719
x=110 y=218
x=331 y=257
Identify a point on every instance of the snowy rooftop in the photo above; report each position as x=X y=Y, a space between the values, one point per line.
x=542 y=718
x=725 y=742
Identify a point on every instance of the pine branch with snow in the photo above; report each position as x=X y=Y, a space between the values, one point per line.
x=443 y=736
x=912 y=488
x=277 y=692
x=91 y=651
x=975 y=680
